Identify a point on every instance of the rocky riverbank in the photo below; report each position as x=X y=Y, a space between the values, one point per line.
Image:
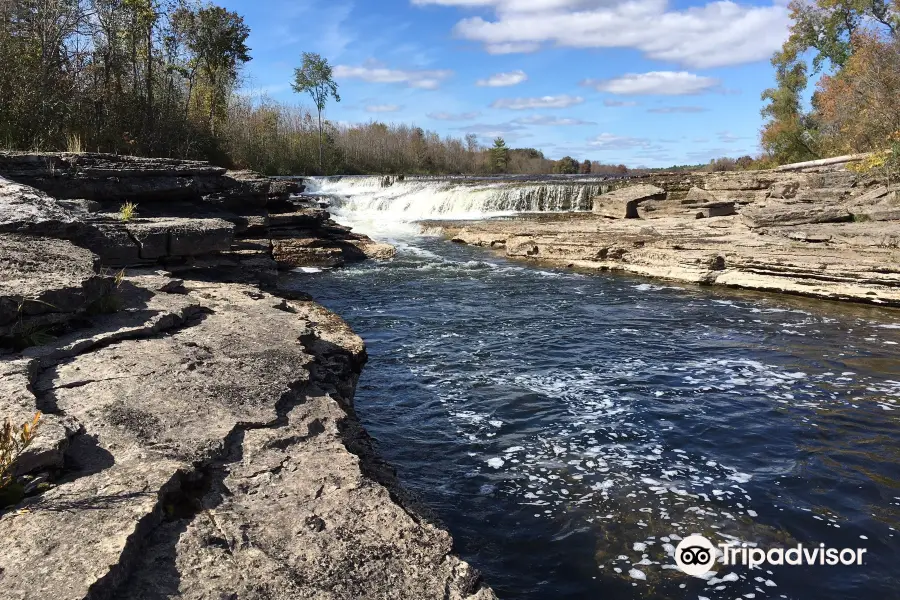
x=814 y=230
x=199 y=438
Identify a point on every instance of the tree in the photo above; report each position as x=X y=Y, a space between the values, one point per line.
x=567 y=166
x=499 y=156
x=218 y=40
x=315 y=78
x=825 y=31
x=787 y=134
x=722 y=164
x=745 y=162
x=858 y=109
x=586 y=167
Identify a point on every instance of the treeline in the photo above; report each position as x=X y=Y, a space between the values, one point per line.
x=856 y=104
x=150 y=77
x=282 y=139
x=160 y=78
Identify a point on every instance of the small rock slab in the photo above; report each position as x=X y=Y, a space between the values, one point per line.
x=623 y=203
x=716 y=209
x=773 y=216
x=24 y=209
x=44 y=280
x=305 y=252
x=306 y=218
x=697 y=195
x=177 y=237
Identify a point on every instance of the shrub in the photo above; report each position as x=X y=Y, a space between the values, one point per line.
x=13 y=442
x=884 y=163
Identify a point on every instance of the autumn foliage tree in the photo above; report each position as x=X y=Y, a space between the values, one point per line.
x=567 y=166
x=858 y=108
x=853 y=43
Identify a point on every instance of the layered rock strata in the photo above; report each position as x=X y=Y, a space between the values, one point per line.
x=199 y=439
x=188 y=217
x=186 y=212
x=821 y=231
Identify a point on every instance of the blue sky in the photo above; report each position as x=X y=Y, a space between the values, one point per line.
x=643 y=82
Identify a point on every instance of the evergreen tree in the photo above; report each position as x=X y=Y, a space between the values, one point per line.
x=500 y=156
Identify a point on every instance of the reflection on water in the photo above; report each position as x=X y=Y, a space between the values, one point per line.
x=569 y=429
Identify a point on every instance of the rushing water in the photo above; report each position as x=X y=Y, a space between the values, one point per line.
x=570 y=428
x=427 y=198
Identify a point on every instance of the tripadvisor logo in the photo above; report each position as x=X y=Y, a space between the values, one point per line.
x=696 y=555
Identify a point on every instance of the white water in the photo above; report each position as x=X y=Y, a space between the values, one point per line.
x=366 y=204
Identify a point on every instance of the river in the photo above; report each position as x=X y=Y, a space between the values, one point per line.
x=569 y=428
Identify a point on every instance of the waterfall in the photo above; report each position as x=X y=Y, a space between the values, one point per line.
x=419 y=198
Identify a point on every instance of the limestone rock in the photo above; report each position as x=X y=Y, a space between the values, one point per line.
x=822 y=195
x=111 y=178
x=27 y=210
x=374 y=250
x=45 y=282
x=285 y=187
x=876 y=193
x=715 y=209
x=784 y=190
x=808 y=249
x=214 y=461
x=802 y=236
x=698 y=196
x=305 y=252
x=307 y=218
x=176 y=237
x=623 y=203
x=738 y=181
x=786 y=215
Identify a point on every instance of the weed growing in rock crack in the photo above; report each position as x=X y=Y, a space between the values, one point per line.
x=127 y=211
x=13 y=442
x=111 y=302
x=106 y=305
x=25 y=336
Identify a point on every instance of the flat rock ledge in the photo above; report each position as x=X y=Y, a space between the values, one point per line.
x=199 y=439
x=63 y=236
x=823 y=232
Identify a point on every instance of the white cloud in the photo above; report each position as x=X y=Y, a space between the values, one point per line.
x=513 y=48
x=702 y=156
x=383 y=108
x=488 y=129
x=563 y=101
x=374 y=73
x=445 y=116
x=503 y=79
x=671 y=110
x=662 y=83
x=550 y=121
x=616 y=103
x=726 y=137
x=611 y=141
x=719 y=33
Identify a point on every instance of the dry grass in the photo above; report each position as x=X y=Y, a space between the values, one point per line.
x=14 y=440
x=74 y=144
x=127 y=211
